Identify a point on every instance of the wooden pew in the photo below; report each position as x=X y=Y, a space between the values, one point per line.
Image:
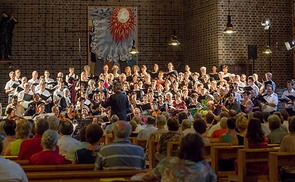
x=13 y=158
x=23 y=162
x=277 y=159
x=152 y=149
x=108 y=138
x=172 y=148
x=82 y=175
x=63 y=167
x=248 y=156
x=140 y=142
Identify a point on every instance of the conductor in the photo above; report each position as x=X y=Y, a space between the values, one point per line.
x=119 y=103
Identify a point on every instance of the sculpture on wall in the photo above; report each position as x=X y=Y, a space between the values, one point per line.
x=7 y=24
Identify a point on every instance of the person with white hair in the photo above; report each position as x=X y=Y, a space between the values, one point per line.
x=48 y=156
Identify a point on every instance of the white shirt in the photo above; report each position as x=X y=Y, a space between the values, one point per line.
x=213 y=128
x=146 y=132
x=287 y=93
x=9 y=84
x=66 y=143
x=273 y=98
x=20 y=97
x=11 y=171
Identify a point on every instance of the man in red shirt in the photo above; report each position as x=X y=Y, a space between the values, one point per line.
x=32 y=146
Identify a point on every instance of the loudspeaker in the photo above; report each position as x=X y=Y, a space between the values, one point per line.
x=252 y=52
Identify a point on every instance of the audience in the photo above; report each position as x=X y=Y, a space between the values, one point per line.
x=66 y=141
x=49 y=155
x=23 y=130
x=120 y=154
x=190 y=159
x=9 y=129
x=9 y=170
x=33 y=145
x=173 y=134
x=150 y=128
x=87 y=155
x=288 y=141
x=277 y=133
x=200 y=128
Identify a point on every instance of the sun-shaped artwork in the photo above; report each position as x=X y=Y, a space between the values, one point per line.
x=121 y=24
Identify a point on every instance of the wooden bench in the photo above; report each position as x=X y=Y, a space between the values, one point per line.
x=246 y=157
x=152 y=149
x=63 y=167
x=82 y=175
x=140 y=142
x=223 y=153
x=278 y=159
x=13 y=158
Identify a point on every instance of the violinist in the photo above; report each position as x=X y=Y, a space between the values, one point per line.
x=230 y=103
x=70 y=113
x=19 y=110
x=246 y=104
x=95 y=105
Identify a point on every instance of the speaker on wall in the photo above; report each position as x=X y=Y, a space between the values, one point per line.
x=252 y=52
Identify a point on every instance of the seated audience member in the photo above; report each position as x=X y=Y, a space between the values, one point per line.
x=288 y=145
x=54 y=123
x=138 y=121
x=87 y=155
x=255 y=137
x=9 y=129
x=172 y=135
x=150 y=128
x=120 y=154
x=284 y=127
x=288 y=141
x=241 y=124
x=32 y=146
x=66 y=141
x=22 y=130
x=186 y=127
x=265 y=127
x=114 y=118
x=161 y=123
x=277 y=133
x=133 y=128
x=9 y=170
x=200 y=127
x=49 y=155
x=231 y=135
x=218 y=132
x=190 y=159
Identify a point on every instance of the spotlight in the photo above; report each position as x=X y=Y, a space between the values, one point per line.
x=266 y=23
x=290 y=44
x=133 y=49
x=174 y=41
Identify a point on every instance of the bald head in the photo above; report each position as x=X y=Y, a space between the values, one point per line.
x=122 y=129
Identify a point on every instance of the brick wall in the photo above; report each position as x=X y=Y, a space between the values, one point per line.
x=48 y=31
x=200 y=32
x=42 y=42
x=246 y=18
